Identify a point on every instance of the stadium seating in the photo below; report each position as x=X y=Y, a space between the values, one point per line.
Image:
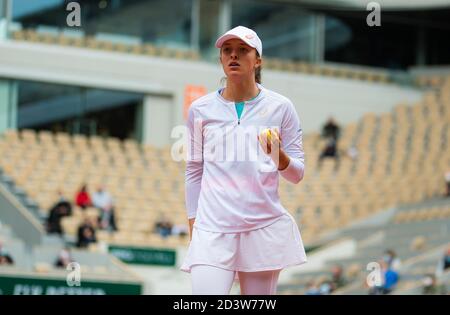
x=402 y=158
x=420 y=245
x=335 y=71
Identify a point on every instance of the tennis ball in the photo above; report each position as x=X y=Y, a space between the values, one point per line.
x=268 y=134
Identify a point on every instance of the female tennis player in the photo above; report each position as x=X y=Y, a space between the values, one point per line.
x=238 y=227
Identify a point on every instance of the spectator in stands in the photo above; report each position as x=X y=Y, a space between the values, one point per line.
x=330 y=151
x=390 y=257
x=163 y=226
x=352 y=153
x=101 y=198
x=5 y=257
x=447 y=184
x=180 y=229
x=444 y=263
x=86 y=234
x=326 y=288
x=61 y=209
x=331 y=129
x=389 y=278
x=330 y=132
x=6 y=260
x=431 y=286
x=64 y=258
x=446 y=260
x=63 y=201
x=83 y=199
x=337 y=277
x=104 y=202
x=312 y=289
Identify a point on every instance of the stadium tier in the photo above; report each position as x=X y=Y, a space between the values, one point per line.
x=407 y=145
x=419 y=245
x=336 y=71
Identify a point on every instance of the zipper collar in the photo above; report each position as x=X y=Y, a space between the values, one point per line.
x=249 y=102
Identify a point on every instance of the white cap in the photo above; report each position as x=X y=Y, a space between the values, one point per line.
x=247 y=35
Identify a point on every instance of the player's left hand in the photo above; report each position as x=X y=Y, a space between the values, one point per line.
x=270 y=141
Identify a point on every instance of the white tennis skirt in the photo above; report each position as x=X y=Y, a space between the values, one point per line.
x=273 y=247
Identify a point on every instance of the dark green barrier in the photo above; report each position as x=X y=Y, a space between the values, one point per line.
x=144 y=255
x=24 y=285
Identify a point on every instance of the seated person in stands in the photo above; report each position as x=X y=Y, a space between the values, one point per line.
x=447 y=184
x=352 y=153
x=83 y=199
x=446 y=259
x=390 y=257
x=5 y=257
x=331 y=132
x=337 y=278
x=64 y=258
x=104 y=202
x=389 y=278
x=86 y=234
x=164 y=227
x=326 y=287
x=180 y=230
x=107 y=220
x=330 y=151
x=331 y=129
x=312 y=289
x=57 y=212
x=63 y=201
x=6 y=260
x=431 y=287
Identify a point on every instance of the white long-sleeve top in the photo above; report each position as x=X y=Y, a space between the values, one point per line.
x=231 y=184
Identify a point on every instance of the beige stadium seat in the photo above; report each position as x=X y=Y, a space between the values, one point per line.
x=124 y=48
x=70 y=225
x=64 y=40
x=46 y=137
x=137 y=49
x=122 y=237
x=79 y=42
x=107 y=46
x=63 y=139
x=138 y=238
x=194 y=55
x=92 y=43
x=180 y=54
x=165 y=52
x=28 y=136
x=445 y=213
x=113 y=143
x=31 y=35
x=149 y=49
x=104 y=236
x=42 y=267
x=18 y=35
x=48 y=38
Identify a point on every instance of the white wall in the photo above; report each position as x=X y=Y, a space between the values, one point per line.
x=315 y=97
x=158 y=115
